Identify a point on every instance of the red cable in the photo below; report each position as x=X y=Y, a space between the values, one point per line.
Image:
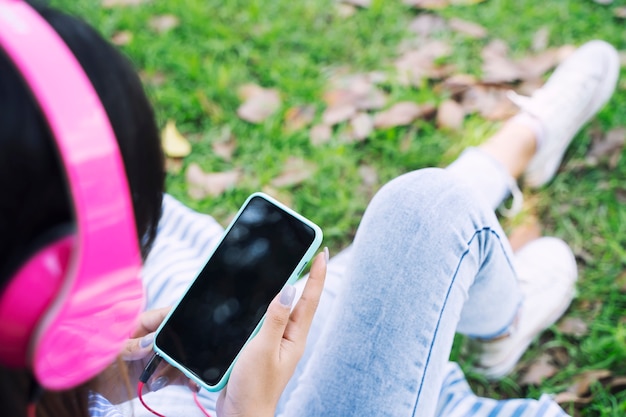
x=31 y=410
x=197 y=401
x=140 y=395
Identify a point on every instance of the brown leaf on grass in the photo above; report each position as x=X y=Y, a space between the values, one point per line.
x=163 y=23
x=368 y=175
x=416 y=64
x=427 y=24
x=539 y=369
x=259 y=103
x=122 y=38
x=541 y=39
x=202 y=184
x=358 y=90
x=450 y=115
x=224 y=146
x=345 y=11
x=607 y=147
x=497 y=66
x=174 y=144
x=535 y=66
x=427 y=4
x=573 y=326
x=155 y=79
x=358 y=3
x=400 y=114
x=320 y=134
x=490 y=102
x=108 y=4
x=457 y=84
x=173 y=165
x=620 y=12
x=470 y=29
x=361 y=126
x=297 y=118
x=295 y=171
x=337 y=114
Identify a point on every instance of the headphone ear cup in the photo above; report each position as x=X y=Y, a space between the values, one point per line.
x=27 y=297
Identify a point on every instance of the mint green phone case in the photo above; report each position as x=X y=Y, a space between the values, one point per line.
x=292 y=278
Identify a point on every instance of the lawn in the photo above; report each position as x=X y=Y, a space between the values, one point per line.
x=195 y=55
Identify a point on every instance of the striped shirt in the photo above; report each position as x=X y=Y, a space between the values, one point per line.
x=184 y=241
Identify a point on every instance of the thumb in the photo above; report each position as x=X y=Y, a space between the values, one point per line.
x=277 y=316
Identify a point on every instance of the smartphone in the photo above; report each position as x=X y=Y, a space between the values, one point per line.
x=266 y=246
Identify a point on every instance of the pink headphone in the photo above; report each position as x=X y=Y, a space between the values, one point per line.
x=68 y=309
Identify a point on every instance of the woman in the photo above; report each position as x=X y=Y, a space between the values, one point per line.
x=429 y=259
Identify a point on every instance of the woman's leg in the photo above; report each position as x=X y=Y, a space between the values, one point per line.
x=423 y=242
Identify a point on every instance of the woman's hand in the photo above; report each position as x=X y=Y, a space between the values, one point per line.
x=117 y=383
x=269 y=360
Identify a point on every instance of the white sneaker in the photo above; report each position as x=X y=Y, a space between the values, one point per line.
x=576 y=91
x=547 y=274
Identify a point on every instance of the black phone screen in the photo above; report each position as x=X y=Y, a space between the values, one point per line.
x=224 y=304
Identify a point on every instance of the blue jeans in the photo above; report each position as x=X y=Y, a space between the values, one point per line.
x=429 y=259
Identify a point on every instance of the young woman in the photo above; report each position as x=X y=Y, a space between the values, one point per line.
x=429 y=259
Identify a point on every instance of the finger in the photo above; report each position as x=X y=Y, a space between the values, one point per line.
x=150 y=320
x=137 y=348
x=303 y=312
x=277 y=318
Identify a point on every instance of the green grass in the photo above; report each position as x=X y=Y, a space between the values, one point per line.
x=294 y=46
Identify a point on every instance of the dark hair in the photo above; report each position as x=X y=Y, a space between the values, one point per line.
x=34 y=194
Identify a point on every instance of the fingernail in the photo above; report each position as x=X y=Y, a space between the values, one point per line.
x=287 y=295
x=159 y=383
x=146 y=341
x=326 y=254
x=194 y=387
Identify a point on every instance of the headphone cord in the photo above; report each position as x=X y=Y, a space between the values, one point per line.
x=154 y=361
x=35 y=391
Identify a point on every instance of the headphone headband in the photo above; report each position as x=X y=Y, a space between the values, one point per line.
x=101 y=280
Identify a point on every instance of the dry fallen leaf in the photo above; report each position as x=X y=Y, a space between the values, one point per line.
x=224 y=146
x=470 y=29
x=153 y=78
x=320 y=134
x=358 y=3
x=400 y=114
x=539 y=369
x=450 y=115
x=361 y=126
x=620 y=12
x=202 y=184
x=295 y=171
x=345 y=11
x=607 y=147
x=541 y=39
x=337 y=114
x=573 y=326
x=107 y=4
x=163 y=23
x=426 y=24
x=174 y=144
x=427 y=4
x=490 y=102
x=260 y=103
x=297 y=118
x=281 y=195
x=122 y=38
x=416 y=64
